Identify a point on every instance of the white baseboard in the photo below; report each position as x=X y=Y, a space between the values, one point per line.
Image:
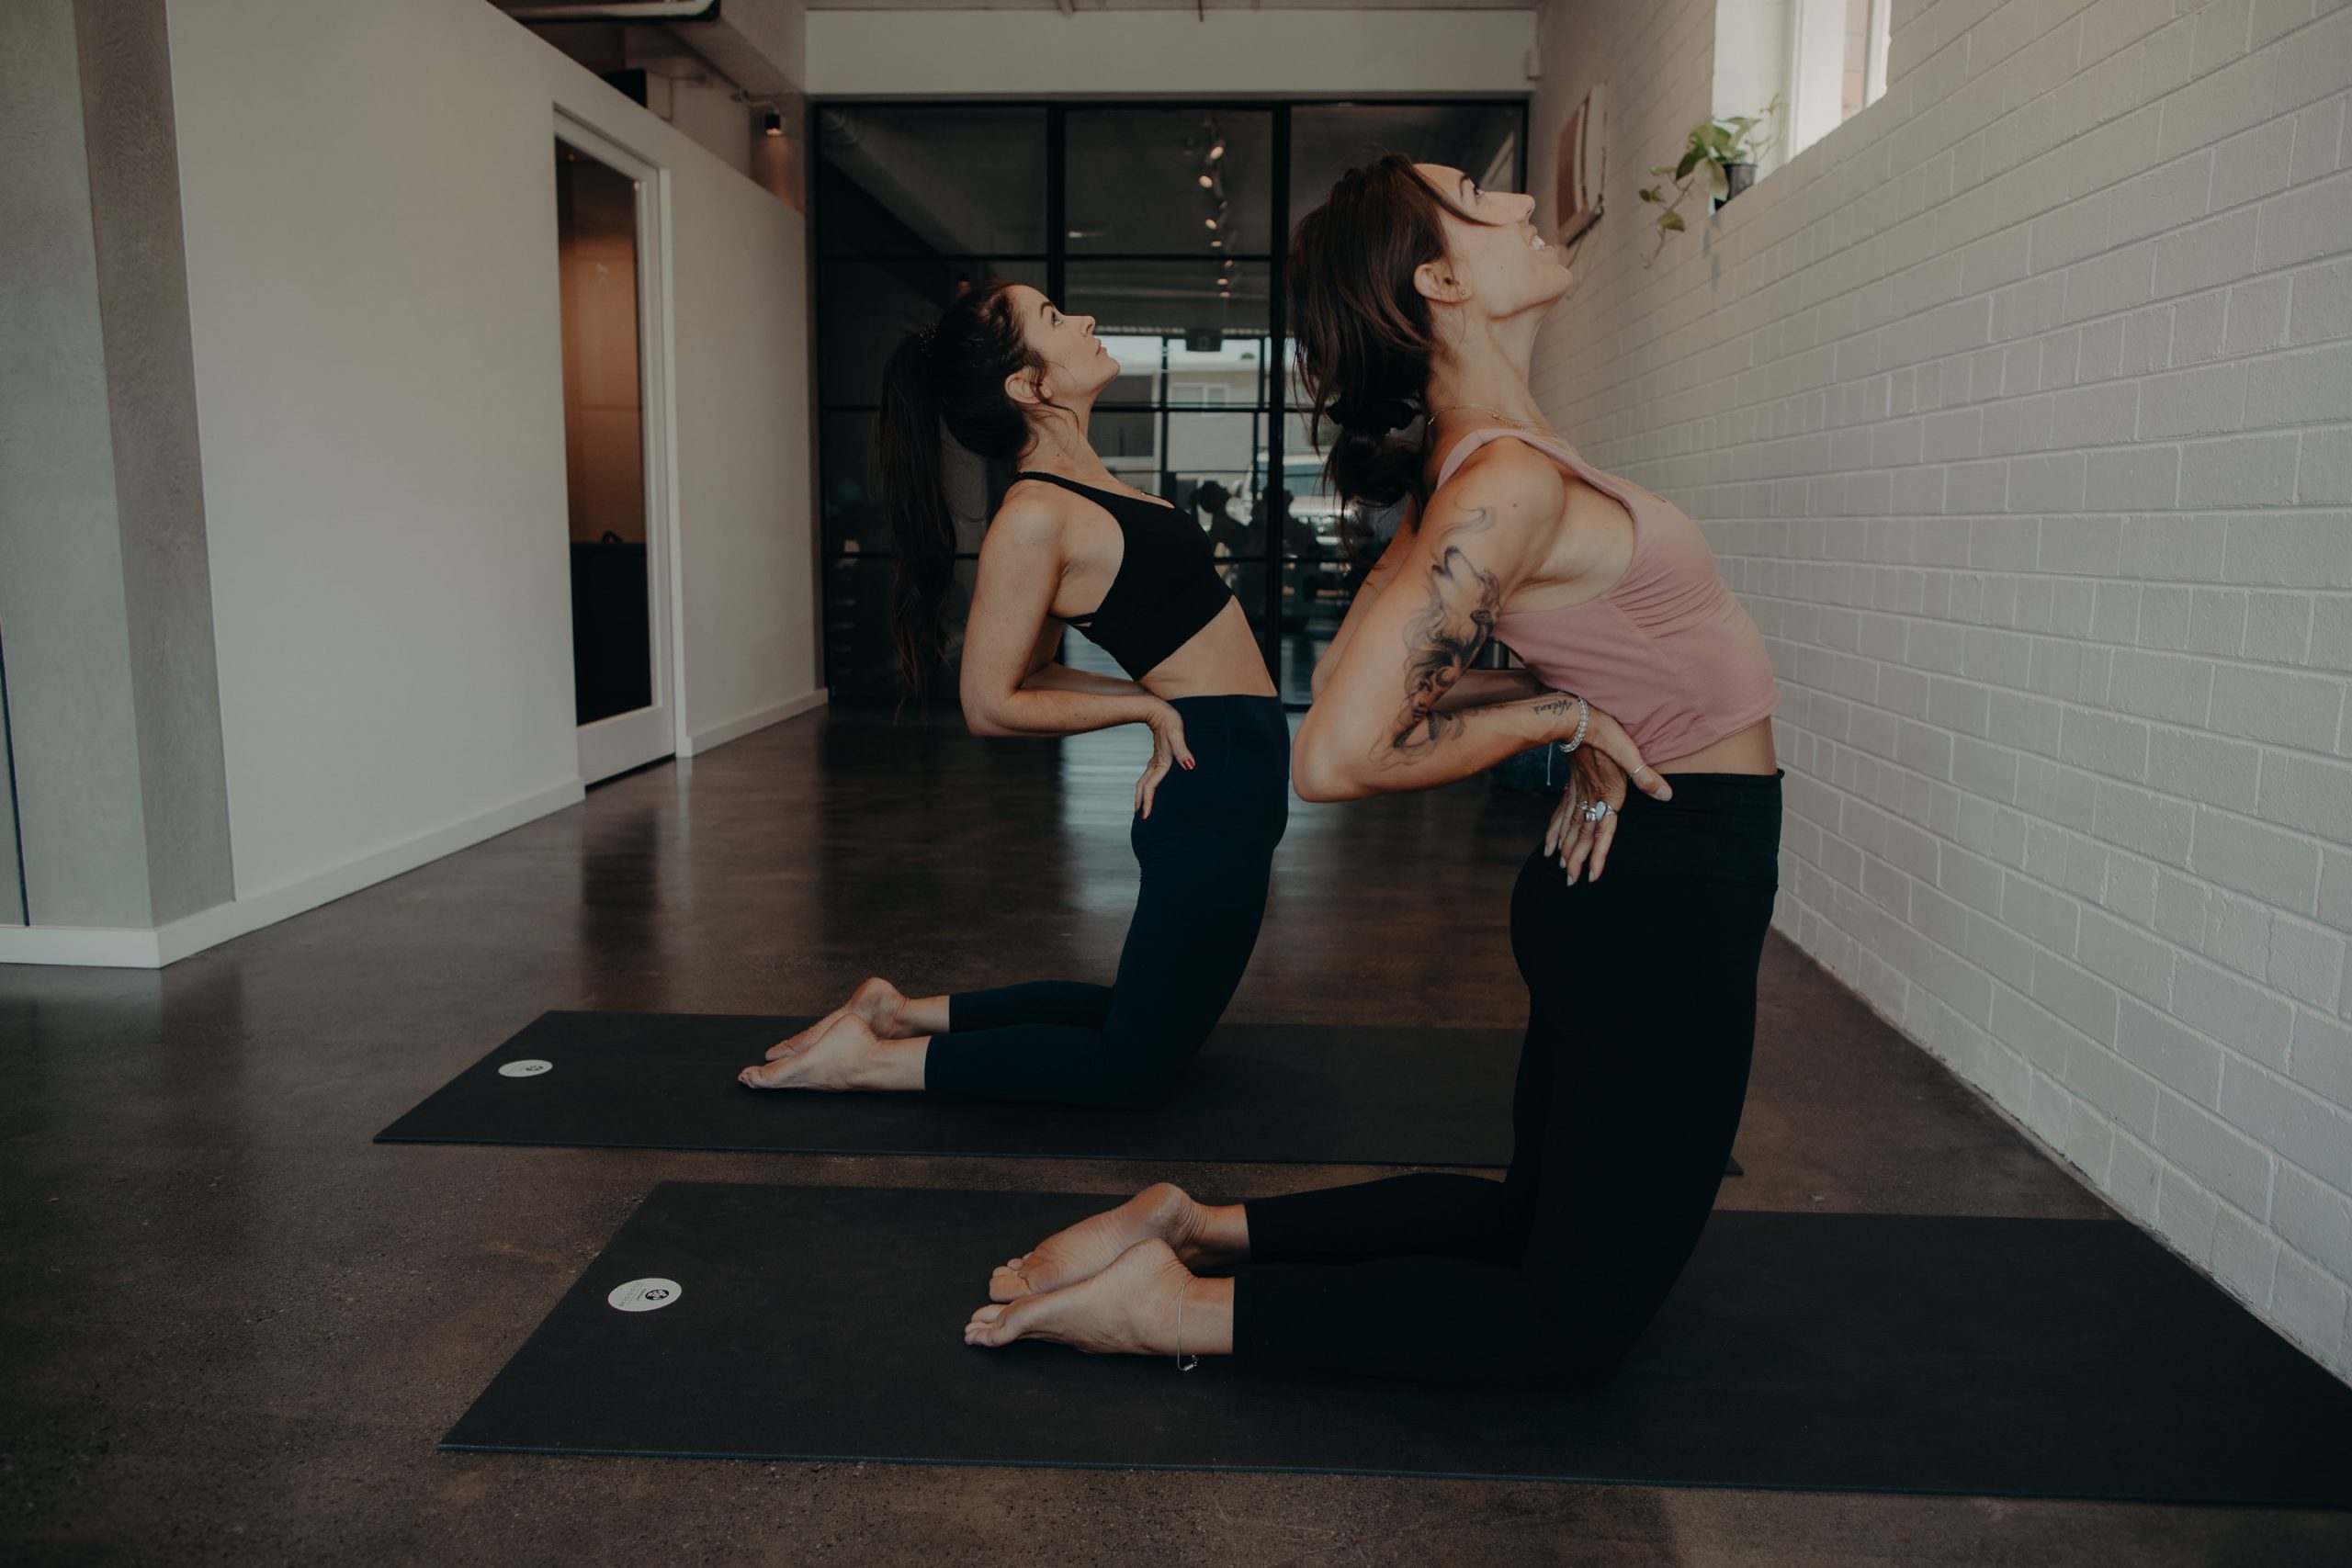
x=87 y=947
x=717 y=735
x=95 y=947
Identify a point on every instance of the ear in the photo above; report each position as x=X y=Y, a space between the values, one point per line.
x=1434 y=280
x=1023 y=387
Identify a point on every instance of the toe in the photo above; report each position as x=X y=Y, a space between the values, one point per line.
x=994 y=1326
x=983 y=1328
x=762 y=1076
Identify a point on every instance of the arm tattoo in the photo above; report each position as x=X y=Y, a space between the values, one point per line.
x=1440 y=642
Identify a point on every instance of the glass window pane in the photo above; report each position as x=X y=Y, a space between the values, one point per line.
x=929 y=179
x=1214 y=443
x=1134 y=181
x=1327 y=140
x=1231 y=506
x=866 y=306
x=1183 y=331
x=1178 y=368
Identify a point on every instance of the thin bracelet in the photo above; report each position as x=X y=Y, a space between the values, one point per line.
x=1583 y=716
x=1184 y=1363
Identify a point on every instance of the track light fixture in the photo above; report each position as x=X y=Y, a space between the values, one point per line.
x=772 y=123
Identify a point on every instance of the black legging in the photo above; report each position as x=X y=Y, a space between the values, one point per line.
x=1206 y=851
x=1642 y=1021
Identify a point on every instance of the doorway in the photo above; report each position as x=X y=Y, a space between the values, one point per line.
x=616 y=453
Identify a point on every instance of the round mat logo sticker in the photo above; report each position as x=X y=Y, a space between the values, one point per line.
x=644 y=1295
x=526 y=1069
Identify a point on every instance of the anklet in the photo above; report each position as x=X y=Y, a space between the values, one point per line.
x=1184 y=1363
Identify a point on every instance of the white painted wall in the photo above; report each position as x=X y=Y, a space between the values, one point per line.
x=2018 y=410
x=1139 y=53
x=370 y=214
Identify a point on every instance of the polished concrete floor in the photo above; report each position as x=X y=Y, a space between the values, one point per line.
x=234 y=1327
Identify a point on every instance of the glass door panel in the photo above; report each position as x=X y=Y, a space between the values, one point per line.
x=603 y=423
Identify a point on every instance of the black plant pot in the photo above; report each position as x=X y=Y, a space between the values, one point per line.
x=1738 y=176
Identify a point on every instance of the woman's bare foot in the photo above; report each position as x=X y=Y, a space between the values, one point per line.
x=1127 y=1308
x=875 y=1000
x=1162 y=1212
x=845 y=1054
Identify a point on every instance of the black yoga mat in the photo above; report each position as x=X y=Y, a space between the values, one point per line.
x=1319 y=1093
x=1842 y=1352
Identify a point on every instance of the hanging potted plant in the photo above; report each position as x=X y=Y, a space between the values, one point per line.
x=1719 y=157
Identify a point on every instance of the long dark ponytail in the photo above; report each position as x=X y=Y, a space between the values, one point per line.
x=950 y=373
x=1366 y=339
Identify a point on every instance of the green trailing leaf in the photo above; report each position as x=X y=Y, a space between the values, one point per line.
x=1712 y=145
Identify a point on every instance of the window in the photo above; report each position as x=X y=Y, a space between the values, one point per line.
x=1824 y=59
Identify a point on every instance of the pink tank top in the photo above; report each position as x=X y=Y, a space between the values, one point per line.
x=1667 y=651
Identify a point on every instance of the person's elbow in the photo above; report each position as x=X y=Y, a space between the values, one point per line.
x=1318 y=770
x=983 y=712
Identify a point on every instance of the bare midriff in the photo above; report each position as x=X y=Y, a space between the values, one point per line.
x=1220 y=659
x=1748 y=750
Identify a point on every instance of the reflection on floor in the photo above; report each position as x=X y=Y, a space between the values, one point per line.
x=236 y=1327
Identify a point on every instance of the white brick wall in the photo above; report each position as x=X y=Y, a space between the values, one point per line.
x=2018 y=411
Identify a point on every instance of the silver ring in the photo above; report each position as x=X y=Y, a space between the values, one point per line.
x=1596 y=811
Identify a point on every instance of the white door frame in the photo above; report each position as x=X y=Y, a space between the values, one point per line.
x=631 y=739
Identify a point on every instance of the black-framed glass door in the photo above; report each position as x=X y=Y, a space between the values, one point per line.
x=1166 y=222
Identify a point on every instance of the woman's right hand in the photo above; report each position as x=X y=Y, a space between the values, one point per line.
x=1598 y=770
x=1167 y=750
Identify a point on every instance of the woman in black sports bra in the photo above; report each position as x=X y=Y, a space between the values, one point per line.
x=1011 y=376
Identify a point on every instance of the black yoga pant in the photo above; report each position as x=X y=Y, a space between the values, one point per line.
x=1641 y=1018
x=1205 y=852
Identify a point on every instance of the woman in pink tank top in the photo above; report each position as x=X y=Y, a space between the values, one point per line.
x=1413 y=286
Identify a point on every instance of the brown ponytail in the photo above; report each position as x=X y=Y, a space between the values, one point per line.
x=1365 y=340
x=951 y=374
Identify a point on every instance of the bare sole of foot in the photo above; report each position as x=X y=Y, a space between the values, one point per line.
x=1128 y=1308
x=829 y=1061
x=875 y=1000
x=1067 y=1257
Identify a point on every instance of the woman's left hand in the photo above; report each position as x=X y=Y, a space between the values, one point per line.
x=1598 y=770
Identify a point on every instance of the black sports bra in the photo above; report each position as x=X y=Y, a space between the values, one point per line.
x=1166 y=587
